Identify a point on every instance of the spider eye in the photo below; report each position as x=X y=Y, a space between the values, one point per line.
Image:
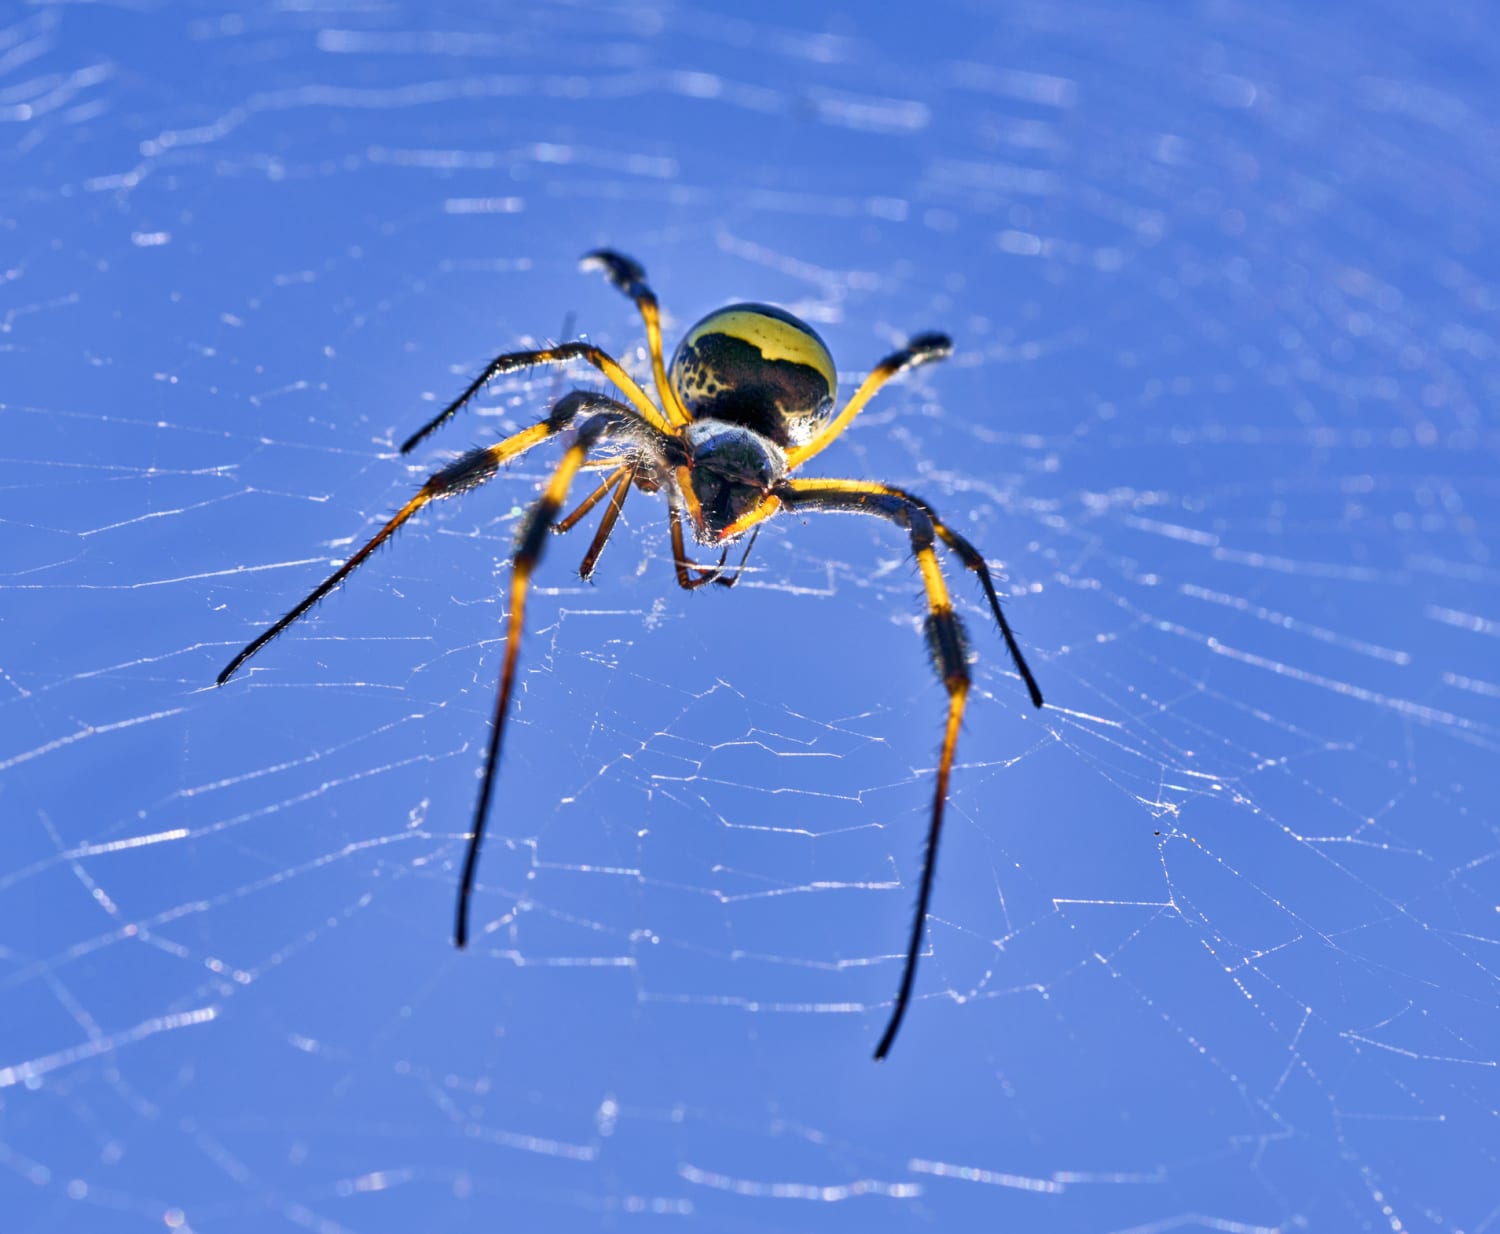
x=760 y=367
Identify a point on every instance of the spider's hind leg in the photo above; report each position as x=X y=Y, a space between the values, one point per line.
x=533 y=538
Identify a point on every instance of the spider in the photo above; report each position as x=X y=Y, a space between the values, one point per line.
x=748 y=400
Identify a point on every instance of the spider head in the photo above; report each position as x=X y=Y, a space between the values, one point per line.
x=732 y=467
x=760 y=367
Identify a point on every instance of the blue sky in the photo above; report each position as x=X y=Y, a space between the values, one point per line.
x=1213 y=941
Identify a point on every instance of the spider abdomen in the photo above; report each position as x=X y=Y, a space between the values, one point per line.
x=757 y=366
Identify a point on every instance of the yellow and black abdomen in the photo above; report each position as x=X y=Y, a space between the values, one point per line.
x=758 y=366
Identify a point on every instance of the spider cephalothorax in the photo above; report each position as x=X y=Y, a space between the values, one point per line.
x=750 y=399
x=732 y=468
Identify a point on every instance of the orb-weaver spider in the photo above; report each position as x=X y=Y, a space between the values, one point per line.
x=748 y=400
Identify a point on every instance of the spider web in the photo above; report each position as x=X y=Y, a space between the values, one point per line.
x=1214 y=941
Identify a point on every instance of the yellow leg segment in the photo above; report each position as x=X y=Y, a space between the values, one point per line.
x=945 y=641
x=923 y=349
x=512 y=361
x=865 y=496
x=533 y=537
x=950 y=657
x=957 y=698
x=607 y=523
x=589 y=502
x=630 y=278
x=465 y=473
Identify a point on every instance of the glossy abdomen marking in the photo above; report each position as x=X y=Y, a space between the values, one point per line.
x=760 y=367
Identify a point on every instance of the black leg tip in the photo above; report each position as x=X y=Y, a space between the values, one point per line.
x=925 y=348
x=618 y=269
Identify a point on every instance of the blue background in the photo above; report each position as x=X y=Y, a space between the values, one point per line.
x=1215 y=938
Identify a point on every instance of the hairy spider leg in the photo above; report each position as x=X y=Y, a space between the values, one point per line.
x=626 y=476
x=470 y=471
x=533 y=536
x=862 y=491
x=592 y=500
x=945 y=640
x=923 y=349
x=630 y=277
x=949 y=647
x=857 y=492
x=511 y=361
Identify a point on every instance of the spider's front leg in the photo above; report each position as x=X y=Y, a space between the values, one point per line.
x=690 y=575
x=470 y=471
x=533 y=537
x=945 y=640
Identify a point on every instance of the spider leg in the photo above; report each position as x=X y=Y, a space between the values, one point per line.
x=948 y=645
x=682 y=563
x=732 y=579
x=923 y=349
x=469 y=471
x=630 y=278
x=533 y=537
x=592 y=500
x=860 y=492
x=510 y=361
x=607 y=523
